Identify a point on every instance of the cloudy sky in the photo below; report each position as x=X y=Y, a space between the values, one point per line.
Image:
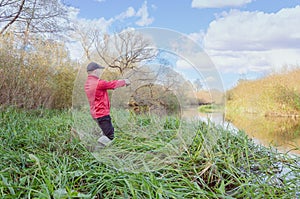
x=243 y=38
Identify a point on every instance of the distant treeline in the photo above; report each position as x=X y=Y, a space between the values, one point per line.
x=275 y=95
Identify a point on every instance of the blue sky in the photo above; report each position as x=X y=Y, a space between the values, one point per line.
x=243 y=38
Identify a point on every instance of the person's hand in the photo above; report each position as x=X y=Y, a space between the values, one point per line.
x=127 y=82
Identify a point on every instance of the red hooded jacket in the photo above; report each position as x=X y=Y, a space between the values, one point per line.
x=96 y=92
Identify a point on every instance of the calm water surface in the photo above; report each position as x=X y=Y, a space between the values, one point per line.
x=280 y=132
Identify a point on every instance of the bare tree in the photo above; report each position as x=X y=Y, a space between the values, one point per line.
x=124 y=51
x=6 y=16
x=157 y=89
x=33 y=16
x=86 y=36
x=198 y=84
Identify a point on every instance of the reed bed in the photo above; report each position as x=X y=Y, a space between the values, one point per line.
x=42 y=157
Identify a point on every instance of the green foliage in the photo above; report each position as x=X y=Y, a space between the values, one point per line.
x=172 y=123
x=41 y=158
x=155 y=99
x=211 y=108
x=62 y=87
x=144 y=121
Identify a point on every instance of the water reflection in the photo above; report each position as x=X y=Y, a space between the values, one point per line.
x=193 y=113
x=280 y=132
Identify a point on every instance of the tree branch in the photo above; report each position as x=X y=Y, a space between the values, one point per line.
x=15 y=18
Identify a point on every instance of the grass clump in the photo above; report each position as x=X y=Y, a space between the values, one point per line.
x=42 y=158
x=210 y=108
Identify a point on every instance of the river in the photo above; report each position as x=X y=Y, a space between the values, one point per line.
x=283 y=133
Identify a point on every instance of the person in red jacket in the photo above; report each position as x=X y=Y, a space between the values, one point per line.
x=96 y=92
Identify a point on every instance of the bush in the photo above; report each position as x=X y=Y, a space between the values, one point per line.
x=37 y=75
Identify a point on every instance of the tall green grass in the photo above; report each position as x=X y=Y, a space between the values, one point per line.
x=41 y=157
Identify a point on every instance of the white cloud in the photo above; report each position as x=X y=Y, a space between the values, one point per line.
x=182 y=64
x=100 y=24
x=103 y=25
x=210 y=79
x=143 y=13
x=218 y=3
x=72 y=12
x=238 y=30
x=254 y=41
x=198 y=37
x=130 y=12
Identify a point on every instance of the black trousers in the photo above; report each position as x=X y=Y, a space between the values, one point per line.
x=106 y=126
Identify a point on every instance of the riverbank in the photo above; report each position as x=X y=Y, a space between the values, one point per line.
x=42 y=158
x=277 y=95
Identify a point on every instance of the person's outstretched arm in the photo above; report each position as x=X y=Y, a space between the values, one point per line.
x=105 y=85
